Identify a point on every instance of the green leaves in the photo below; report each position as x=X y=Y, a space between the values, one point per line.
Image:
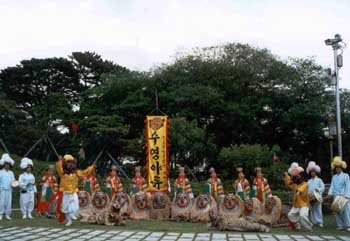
x=228 y=104
x=189 y=143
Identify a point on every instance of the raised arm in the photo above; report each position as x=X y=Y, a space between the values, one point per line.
x=86 y=172
x=59 y=168
x=289 y=183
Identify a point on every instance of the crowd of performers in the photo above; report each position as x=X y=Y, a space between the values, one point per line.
x=251 y=207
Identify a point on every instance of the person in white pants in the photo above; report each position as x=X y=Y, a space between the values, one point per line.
x=6 y=179
x=299 y=214
x=27 y=185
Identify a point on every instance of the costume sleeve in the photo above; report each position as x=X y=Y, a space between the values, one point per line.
x=97 y=185
x=85 y=172
x=145 y=185
x=59 y=168
x=188 y=186
x=302 y=189
x=289 y=183
x=220 y=187
x=43 y=180
x=55 y=184
x=12 y=176
x=331 y=188
x=234 y=185
x=347 y=186
x=247 y=188
x=254 y=186
x=321 y=186
x=22 y=184
x=120 y=186
x=267 y=188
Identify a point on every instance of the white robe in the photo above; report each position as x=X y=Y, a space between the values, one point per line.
x=26 y=201
x=316 y=207
x=6 y=179
x=340 y=185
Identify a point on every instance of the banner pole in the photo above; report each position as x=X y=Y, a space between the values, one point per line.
x=3 y=145
x=192 y=174
x=35 y=144
x=98 y=157
x=119 y=167
x=52 y=146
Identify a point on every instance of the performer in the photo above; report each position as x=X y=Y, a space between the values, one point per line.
x=261 y=186
x=299 y=213
x=90 y=183
x=28 y=188
x=340 y=186
x=49 y=188
x=215 y=184
x=241 y=185
x=182 y=184
x=6 y=179
x=315 y=184
x=138 y=183
x=67 y=170
x=113 y=183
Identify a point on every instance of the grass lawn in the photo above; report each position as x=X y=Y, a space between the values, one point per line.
x=153 y=225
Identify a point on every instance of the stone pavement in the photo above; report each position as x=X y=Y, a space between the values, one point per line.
x=41 y=234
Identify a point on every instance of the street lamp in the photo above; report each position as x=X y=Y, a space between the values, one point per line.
x=337 y=44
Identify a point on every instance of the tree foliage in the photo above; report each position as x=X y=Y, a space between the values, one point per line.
x=230 y=105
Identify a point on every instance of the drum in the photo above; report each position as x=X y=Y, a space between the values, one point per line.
x=15 y=183
x=315 y=196
x=339 y=203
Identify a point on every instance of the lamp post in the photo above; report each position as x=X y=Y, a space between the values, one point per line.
x=337 y=44
x=329 y=132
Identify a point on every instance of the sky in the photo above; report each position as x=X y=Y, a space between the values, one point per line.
x=141 y=34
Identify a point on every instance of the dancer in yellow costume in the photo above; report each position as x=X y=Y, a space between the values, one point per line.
x=67 y=170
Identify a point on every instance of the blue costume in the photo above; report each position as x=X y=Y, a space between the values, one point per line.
x=6 y=179
x=340 y=185
x=316 y=183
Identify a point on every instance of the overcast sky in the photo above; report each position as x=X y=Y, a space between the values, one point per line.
x=140 y=34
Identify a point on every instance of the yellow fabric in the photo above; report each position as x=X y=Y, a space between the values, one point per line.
x=301 y=197
x=338 y=162
x=69 y=182
x=157 y=153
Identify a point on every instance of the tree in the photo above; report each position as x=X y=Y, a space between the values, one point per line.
x=91 y=67
x=249 y=157
x=189 y=144
x=32 y=81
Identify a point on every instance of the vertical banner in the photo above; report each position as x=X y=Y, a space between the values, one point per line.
x=157 y=153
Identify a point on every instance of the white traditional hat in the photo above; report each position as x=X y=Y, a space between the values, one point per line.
x=295 y=169
x=313 y=167
x=5 y=158
x=25 y=162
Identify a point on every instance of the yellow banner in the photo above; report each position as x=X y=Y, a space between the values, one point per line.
x=157 y=153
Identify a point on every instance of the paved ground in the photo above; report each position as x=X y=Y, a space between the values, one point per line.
x=41 y=234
